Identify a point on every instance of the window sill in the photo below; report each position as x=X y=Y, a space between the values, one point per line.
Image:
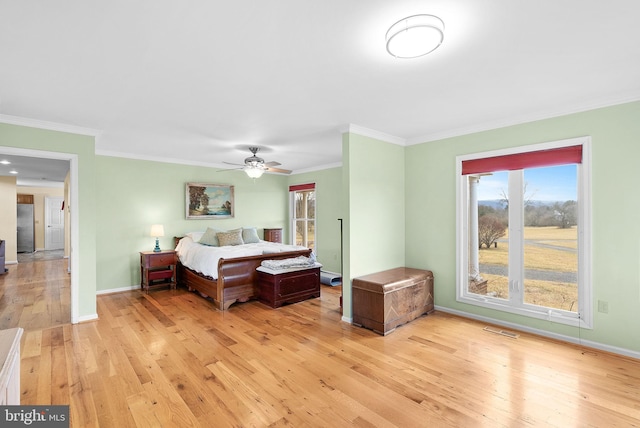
x=557 y=316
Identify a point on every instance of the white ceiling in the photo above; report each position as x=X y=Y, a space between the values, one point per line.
x=202 y=80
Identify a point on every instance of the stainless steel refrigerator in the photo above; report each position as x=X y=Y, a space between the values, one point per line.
x=26 y=236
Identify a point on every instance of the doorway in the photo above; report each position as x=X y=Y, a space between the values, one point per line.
x=71 y=206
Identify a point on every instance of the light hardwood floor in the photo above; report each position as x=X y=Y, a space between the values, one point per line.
x=170 y=359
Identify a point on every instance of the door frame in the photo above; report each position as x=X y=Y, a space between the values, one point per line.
x=74 y=215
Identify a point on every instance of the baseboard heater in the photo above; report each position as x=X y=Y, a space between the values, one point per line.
x=330 y=278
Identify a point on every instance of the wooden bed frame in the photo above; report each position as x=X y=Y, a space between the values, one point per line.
x=237 y=277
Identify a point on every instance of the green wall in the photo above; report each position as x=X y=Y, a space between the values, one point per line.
x=84 y=147
x=329 y=210
x=615 y=133
x=374 y=199
x=134 y=194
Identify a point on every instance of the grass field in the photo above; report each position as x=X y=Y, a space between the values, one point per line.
x=544 y=293
x=539 y=257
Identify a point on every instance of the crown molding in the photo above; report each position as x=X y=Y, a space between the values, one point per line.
x=159 y=159
x=317 y=168
x=503 y=123
x=372 y=133
x=51 y=126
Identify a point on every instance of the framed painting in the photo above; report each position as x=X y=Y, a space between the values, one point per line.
x=209 y=201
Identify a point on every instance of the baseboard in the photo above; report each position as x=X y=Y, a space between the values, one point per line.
x=346 y=319
x=86 y=318
x=118 y=290
x=577 y=341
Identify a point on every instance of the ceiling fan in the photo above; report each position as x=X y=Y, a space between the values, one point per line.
x=255 y=166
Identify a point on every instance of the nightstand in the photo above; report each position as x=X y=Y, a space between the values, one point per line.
x=273 y=235
x=157 y=268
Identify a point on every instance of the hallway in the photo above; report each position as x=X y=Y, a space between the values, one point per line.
x=40 y=255
x=35 y=295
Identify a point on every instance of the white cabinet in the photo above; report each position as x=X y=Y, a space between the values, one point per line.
x=10 y=361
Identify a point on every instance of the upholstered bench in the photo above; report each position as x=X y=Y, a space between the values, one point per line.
x=384 y=300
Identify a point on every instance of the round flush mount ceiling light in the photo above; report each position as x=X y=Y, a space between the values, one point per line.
x=415 y=36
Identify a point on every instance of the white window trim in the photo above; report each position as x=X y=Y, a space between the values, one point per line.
x=584 y=319
x=293 y=219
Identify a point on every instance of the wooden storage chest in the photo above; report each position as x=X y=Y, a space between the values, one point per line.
x=384 y=300
x=277 y=288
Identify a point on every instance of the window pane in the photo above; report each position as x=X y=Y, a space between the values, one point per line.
x=311 y=234
x=311 y=204
x=489 y=247
x=301 y=202
x=301 y=232
x=551 y=237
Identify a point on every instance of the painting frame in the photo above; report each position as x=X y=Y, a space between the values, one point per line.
x=218 y=195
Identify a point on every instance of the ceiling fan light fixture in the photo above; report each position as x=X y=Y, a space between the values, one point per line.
x=415 y=36
x=254 y=172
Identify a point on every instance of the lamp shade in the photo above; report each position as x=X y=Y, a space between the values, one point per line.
x=415 y=36
x=157 y=230
x=254 y=172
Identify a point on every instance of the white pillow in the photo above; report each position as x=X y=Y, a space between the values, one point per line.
x=195 y=236
x=250 y=235
x=210 y=238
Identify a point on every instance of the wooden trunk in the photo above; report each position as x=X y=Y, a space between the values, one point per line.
x=277 y=289
x=384 y=300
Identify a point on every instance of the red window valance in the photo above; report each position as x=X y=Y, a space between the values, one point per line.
x=536 y=159
x=301 y=187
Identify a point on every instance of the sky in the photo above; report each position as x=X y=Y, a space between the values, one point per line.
x=555 y=183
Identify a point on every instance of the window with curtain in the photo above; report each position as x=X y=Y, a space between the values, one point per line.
x=523 y=231
x=303 y=214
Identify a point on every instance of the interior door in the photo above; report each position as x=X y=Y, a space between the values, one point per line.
x=54 y=223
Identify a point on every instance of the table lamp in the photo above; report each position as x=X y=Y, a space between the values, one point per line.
x=157 y=230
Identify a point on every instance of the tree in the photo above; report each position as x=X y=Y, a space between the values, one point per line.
x=490 y=229
x=528 y=197
x=196 y=195
x=565 y=214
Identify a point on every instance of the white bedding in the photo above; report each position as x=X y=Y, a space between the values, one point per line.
x=204 y=259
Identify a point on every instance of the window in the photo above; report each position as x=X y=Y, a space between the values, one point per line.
x=303 y=214
x=524 y=231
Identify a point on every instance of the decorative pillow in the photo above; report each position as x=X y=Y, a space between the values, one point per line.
x=230 y=238
x=195 y=236
x=250 y=235
x=210 y=237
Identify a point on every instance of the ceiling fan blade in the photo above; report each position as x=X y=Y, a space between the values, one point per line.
x=281 y=171
x=230 y=169
x=234 y=164
x=272 y=163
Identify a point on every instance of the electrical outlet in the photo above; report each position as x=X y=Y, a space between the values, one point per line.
x=603 y=306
